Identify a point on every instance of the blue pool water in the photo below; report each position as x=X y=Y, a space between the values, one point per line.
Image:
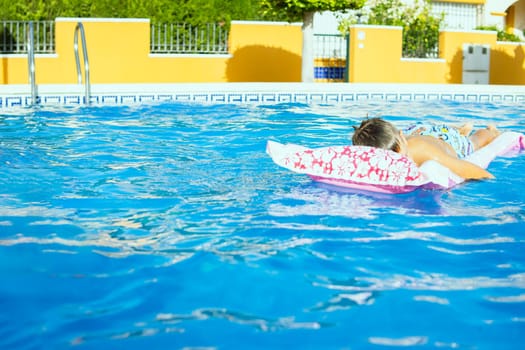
x=168 y=227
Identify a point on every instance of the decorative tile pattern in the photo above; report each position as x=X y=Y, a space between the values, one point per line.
x=251 y=97
x=329 y=73
x=13 y=101
x=301 y=98
x=130 y=99
x=109 y=100
x=146 y=98
x=182 y=98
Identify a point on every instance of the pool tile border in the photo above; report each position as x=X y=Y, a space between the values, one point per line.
x=13 y=96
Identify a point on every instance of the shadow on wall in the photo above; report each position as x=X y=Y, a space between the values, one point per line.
x=455 y=72
x=507 y=69
x=504 y=68
x=5 y=71
x=263 y=64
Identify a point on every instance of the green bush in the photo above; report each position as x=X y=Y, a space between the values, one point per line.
x=294 y=10
x=502 y=35
x=420 y=27
x=420 y=31
x=195 y=12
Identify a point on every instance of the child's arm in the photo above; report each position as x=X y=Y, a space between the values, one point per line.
x=463 y=168
x=421 y=151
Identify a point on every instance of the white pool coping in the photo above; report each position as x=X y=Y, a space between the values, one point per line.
x=256 y=93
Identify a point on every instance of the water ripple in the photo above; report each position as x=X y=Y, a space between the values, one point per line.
x=426 y=281
x=405 y=341
x=262 y=324
x=167 y=224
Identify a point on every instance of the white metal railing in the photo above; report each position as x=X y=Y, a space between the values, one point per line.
x=187 y=39
x=330 y=46
x=14 y=37
x=458 y=16
x=79 y=29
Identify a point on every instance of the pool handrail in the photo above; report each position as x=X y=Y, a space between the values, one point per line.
x=80 y=29
x=31 y=61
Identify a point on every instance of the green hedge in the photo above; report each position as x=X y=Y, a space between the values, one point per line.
x=501 y=34
x=194 y=12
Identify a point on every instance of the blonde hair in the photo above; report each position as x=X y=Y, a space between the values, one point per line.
x=376 y=132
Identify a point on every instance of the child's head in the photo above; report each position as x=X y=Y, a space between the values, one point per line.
x=376 y=132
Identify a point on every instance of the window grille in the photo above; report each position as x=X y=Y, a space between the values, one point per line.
x=457 y=15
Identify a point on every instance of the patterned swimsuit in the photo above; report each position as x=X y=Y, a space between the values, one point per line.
x=461 y=144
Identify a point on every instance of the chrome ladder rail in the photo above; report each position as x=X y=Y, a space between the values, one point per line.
x=80 y=29
x=30 y=40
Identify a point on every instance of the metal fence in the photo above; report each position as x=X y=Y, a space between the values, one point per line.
x=421 y=51
x=330 y=46
x=330 y=53
x=165 y=38
x=187 y=39
x=13 y=37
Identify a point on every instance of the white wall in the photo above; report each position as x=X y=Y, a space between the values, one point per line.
x=496 y=6
x=327 y=22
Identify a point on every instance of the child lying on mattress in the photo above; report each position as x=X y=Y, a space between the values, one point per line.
x=422 y=142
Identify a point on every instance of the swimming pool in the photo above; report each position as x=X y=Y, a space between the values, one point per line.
x=165 y=225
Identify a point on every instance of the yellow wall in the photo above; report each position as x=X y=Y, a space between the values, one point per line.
x=507 y=64
x=375 y=56
x=451 y=49
x=266 y=52
x=259 y=52
x=110 y=57
x=375 y=53
x=118 y=52
x=423 y=70
x=13 y=70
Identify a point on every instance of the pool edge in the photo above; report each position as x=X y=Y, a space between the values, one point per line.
x=19 y=95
